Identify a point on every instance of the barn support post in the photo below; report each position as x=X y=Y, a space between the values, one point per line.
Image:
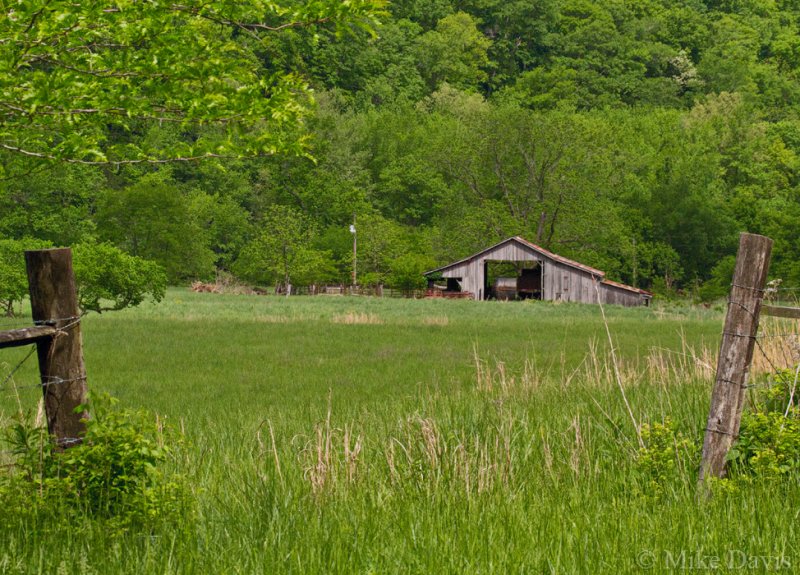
x=54 y=302
x=736 y=352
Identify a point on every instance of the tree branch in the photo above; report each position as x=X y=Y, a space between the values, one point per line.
x=44 y=156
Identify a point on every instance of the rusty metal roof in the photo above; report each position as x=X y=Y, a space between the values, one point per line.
x=527 y=244
x=558 y=258
x=627 y=287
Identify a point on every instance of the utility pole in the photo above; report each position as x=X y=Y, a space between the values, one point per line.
x=355 y=250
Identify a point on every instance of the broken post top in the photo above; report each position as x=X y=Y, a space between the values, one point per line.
x=752 y=263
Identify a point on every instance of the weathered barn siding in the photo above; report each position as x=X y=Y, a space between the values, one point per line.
x=617 y=295
x=562 y=279
x=562 y=283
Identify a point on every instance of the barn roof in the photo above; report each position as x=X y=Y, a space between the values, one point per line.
x=527 y=244
x=548 y=254
x=627 y=287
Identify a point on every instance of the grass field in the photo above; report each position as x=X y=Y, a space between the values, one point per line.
x=358 y=435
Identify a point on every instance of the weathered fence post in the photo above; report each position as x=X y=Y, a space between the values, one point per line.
x=736 y=352
x=54 y=302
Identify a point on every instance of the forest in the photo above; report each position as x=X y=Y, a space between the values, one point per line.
x=637 y=136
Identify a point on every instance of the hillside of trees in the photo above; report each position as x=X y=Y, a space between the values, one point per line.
x=637 y=136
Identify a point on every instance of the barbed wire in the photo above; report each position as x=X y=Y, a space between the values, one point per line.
x=73 y=319
x=8 y=324
x=56 y=381
x=45 y=381
x=783 y=346
x=19 y=365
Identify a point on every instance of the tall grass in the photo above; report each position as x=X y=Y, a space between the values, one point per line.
x=347 y=435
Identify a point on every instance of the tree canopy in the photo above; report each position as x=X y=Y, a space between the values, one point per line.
x=79 y=81
x=637 y=137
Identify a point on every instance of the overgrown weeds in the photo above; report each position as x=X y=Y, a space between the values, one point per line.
x=116 y=474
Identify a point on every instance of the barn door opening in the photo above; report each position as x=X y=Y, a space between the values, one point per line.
x=529 y=284
x=512 y=280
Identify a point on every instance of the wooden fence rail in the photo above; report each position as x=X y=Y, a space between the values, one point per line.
x=25 y=336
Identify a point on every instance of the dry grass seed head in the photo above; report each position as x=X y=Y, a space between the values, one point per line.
x=355 y=318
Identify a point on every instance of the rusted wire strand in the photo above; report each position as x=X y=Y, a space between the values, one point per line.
x=19 y=365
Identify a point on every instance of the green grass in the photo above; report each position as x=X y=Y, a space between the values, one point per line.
x=394 y=452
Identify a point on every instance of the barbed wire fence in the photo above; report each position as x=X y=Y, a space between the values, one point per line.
x=776 y=359
x=9 y=384
x=9 y=388
x=55 y=340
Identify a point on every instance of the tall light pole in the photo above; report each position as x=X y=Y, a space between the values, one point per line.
x=355 y=249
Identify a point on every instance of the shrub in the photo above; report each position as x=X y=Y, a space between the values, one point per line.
x=667 y=453
x=13 y=277
x=768 y=445
x=115 y=474
x=406 y=272
x=109 y=279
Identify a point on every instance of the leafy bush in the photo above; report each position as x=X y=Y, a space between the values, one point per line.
x=768 y=445
x=406 y=272
x=13 y=277
x=114 y=474
x=667 y=453
x=109 y=279
x=719 y=284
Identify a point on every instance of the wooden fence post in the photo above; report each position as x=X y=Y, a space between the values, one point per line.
x=54 y=302
x=736 y=352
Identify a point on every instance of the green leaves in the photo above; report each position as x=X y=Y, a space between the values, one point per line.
x=109 y=279
x=13 y=277
x=455 y=52
x=282 y=252
x=71 y=70
x=114 y=474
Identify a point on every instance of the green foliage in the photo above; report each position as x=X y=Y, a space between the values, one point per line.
x=768 y=445
x=109 y=279
x=454 y=52
x=115 y=474
x=719 y=285
x=637 y=137
x=13 y=277
x=659 y=266
x=225 y=223
x=70 y=71
x=667 y=454
x=281 y=252
x=405 y=272
x=53 y=203
x=152 y=219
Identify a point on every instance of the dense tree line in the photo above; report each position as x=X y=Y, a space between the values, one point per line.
x=637 y=136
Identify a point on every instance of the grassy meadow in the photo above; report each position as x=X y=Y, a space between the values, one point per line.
x=363 y=435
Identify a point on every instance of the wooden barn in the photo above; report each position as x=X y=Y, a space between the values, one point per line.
x=518 y=269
